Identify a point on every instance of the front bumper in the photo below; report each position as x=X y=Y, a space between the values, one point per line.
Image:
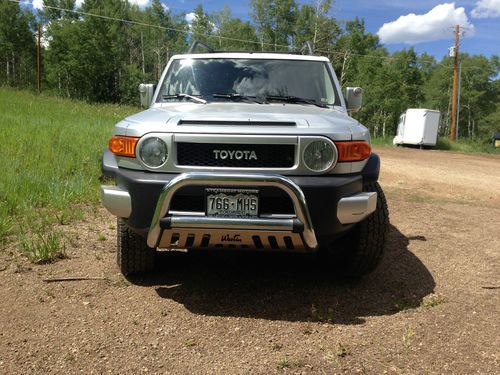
x=323 y=207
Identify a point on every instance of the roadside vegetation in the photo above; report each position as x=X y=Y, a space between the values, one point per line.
x=51 y=149
x=443 y=143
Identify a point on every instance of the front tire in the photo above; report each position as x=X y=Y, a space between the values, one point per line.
x=133 y=253
x=361 y=250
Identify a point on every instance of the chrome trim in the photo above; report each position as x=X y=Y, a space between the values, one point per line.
x=357 y=207
x=231 y=223
x=116 y=201
x=222 y=179
x=236 y=139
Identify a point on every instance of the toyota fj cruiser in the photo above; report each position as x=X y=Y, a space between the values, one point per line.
x=247 y=151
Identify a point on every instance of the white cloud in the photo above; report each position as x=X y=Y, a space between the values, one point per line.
x=165 y=7
x=140 y=3
x=190 y=17
x=486 y=9
x=38 y=4
x=419 y=28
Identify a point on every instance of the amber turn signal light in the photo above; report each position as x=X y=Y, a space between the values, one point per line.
x=353 y=150
x=123 y=146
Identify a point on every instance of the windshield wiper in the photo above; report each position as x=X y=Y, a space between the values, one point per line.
x=185 y=96
x=233 y=96
x=296 y=99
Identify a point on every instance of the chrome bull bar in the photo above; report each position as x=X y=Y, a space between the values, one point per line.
x=272 y=232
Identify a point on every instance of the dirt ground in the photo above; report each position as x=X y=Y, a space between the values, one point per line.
x=431 y=307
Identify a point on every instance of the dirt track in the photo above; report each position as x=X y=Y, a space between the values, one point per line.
x=431 y=307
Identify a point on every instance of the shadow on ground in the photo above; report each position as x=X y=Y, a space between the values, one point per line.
x=291 y=287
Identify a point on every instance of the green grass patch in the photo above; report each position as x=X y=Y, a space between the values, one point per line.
x=463 y=145
x=432 y=301
x=387 y=141
x=443 y=143
x=44 y=247
x=51 y=150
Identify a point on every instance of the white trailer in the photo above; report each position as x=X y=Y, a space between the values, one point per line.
x=418 y=126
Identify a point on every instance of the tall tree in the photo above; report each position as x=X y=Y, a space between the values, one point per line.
x=275 y=21
x=354 y=43
x=313 y=24
x=202 y=26
x=17 y=45
x=232 y=34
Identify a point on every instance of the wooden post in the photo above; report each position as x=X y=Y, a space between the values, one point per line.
x=38 y=75
x=453 y=124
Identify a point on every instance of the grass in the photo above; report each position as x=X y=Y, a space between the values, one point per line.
x=44 y=247
x=323 y=314
x=51 y=150
x=444 y=143
x=340 y=350
x=466 y=146
x=387 y=141
x=283 y=363
x=432 y=301
x=426 y=303
x=408 y=335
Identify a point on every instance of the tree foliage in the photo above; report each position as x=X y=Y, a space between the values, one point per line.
x=17 y=45
x=103 y=58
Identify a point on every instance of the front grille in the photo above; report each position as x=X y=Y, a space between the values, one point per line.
x=235 y=155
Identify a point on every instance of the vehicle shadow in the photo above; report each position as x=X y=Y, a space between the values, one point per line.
x=290 y=287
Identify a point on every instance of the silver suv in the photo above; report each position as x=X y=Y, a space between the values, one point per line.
x=246 y=151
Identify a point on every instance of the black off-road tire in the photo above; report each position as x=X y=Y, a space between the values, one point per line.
x=133 y=254
x=359 y=252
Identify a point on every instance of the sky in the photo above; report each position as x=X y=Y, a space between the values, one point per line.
x=427 y=25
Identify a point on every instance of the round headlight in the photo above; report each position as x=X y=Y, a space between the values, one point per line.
x=319 y=156
x=153 y=152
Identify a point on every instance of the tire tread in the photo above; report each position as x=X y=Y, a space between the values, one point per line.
x=133 y=255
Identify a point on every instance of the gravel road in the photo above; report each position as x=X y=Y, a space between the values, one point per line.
x=431 y=307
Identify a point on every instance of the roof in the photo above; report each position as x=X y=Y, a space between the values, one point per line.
x=496 y=135
x=250 y=55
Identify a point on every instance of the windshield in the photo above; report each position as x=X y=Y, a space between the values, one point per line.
x=257 y=78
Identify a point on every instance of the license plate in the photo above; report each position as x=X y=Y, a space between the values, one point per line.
x=232 y=202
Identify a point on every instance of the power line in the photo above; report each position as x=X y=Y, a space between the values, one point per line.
x=189 y=32
x=149 y=25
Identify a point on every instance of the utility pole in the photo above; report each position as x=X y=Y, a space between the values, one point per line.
x=458 y=98
x=455 y=85
x=38 y=75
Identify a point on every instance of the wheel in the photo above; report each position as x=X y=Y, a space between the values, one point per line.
x=133 y=253
x=360 y=251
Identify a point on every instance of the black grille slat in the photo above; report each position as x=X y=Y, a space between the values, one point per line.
x=203 y=155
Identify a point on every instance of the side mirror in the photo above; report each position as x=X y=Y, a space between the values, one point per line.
x=354 y=98
x=147 y=91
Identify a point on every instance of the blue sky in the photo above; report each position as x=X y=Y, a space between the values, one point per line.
x=482 y=38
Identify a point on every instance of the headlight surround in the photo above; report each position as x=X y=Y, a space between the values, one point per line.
x=153 y=152
x=319 y=155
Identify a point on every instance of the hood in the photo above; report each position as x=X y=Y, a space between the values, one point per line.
x=243 y=118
